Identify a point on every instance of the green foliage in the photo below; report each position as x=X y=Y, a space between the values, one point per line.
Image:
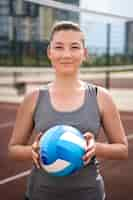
x=103 y=60
x=93 y=60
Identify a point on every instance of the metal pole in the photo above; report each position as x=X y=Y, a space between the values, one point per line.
x=107 y=77
x=14 y=42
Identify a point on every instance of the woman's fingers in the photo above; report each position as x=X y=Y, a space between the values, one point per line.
x=35 y=158
x=88 y=155
x=35 y=145
x=90 y=147
x=35 y=151
x=88 y=136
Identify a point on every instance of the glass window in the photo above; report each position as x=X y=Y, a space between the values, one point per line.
x=75 y=2
x=31 y=9
x=4 y=10
x=22 y=8
x=66 y=15
x=3 y=25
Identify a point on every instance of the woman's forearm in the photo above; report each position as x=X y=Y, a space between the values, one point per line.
x=20 y=152
x=111 y=151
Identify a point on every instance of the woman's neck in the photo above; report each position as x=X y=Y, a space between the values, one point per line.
x=67 y=84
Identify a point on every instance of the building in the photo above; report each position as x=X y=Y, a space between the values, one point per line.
x=4 y=24
x=25 y=26
x=129 y=38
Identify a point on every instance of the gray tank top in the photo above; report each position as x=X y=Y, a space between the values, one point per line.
x=86 y=118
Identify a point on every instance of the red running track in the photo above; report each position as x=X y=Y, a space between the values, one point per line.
x=118 y=175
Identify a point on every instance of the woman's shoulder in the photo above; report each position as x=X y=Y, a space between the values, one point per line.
x=103 y=93
x=31 y=96
x=29 y=101
x=105 y=99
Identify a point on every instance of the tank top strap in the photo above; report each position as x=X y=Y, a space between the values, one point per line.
x=92 y=89
x=41 y=95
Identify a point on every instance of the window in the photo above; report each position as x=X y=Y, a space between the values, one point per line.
x=75 y=2
x=22 y=8
x=4 y=9
x=3 y=25
x=31 y=9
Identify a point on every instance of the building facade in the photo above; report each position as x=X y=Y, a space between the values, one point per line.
x=129 y=38
x=25 y=27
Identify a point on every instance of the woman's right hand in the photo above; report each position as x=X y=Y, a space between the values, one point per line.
x=35 y=151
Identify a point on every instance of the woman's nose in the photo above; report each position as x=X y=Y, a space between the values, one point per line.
x=67 y=52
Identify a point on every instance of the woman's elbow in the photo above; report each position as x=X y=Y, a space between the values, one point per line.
x=125 y=152
x=11 y=151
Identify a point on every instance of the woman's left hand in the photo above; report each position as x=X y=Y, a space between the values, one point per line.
x=90 y=148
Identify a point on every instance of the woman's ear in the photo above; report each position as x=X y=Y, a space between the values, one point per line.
x=85 y=54
x=48 y=51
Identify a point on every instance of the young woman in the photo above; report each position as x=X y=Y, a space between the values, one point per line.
x=68 y=100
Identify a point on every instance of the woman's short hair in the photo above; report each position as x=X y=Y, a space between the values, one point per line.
x=65 y=26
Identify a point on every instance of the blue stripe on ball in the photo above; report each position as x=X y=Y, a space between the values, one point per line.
x=50 y=137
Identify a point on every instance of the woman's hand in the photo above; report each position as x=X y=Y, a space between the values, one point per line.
x=90 y=148
x=35 y=151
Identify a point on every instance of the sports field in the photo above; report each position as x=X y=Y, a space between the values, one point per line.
x=118 y=175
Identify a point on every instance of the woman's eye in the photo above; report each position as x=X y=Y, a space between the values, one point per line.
x=75 y=47
x=58 y=47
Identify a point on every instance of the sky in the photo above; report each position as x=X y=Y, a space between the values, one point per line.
x=95 y=26
x=121 y=7
x=116 y=7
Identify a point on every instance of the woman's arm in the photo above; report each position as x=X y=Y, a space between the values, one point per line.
x=117 y=146
x=19 y=147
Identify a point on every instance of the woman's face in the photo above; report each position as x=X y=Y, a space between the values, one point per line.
x=66 y=51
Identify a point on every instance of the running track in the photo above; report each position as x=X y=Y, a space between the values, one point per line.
x=118 y=175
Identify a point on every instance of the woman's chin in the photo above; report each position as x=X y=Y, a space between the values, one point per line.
x=68 y=70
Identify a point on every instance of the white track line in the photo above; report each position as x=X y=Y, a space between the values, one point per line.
x=26 y=173
x=12 y=178
x=7 y=124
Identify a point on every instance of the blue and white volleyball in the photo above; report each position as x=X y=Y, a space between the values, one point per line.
x=61 y=150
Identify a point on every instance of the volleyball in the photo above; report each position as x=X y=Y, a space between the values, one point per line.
x=61 y=149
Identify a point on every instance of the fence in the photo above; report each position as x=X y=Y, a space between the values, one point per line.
x=34 y=54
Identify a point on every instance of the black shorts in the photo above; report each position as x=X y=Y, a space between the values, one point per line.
x=82 y=194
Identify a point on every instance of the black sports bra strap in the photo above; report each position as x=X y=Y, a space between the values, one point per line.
x=96 y=88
